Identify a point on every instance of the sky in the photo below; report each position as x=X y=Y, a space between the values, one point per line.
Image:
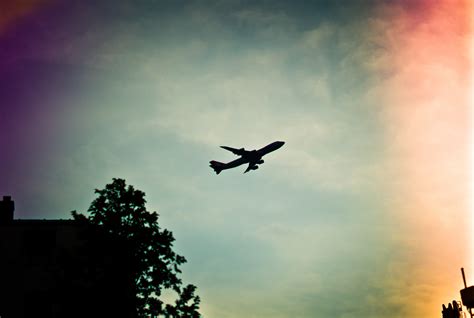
x=365 y=211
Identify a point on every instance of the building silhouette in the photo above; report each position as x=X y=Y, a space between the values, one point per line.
x=62 y=268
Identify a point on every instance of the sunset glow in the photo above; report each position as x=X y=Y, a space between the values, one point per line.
x=429 y=120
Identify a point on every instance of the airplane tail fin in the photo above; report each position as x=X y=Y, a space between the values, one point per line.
x=217 y=166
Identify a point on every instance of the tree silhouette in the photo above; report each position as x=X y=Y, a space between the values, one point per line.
x=453 y=310
x=120 y=210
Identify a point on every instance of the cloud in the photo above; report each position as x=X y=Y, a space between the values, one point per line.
x=317 y=232
x=256 y=95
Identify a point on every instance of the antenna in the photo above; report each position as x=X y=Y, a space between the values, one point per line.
x=463 y=277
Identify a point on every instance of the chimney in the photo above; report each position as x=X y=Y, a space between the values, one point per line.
x=7 y=206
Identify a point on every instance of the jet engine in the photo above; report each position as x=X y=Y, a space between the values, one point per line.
x=254 y=167
x=260 y=162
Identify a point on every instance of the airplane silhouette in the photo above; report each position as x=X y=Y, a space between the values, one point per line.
x=253 y=157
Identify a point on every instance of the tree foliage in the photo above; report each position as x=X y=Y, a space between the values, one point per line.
x=120 y=210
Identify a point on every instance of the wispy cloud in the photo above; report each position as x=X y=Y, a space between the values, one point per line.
x=340 y=221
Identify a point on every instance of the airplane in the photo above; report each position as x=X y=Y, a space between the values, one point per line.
x=252 y=157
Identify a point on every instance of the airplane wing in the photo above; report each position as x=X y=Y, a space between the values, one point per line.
x=238 y=152
x=252 y=166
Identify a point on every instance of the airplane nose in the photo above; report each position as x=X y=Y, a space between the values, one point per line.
x=281 y=143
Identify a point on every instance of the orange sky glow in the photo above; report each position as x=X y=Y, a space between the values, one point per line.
x=429 y=128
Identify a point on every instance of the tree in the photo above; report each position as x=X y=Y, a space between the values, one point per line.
x=120 y=210
x=453 y=310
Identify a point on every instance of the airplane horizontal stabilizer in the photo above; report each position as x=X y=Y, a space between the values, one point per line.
x=217 y=166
